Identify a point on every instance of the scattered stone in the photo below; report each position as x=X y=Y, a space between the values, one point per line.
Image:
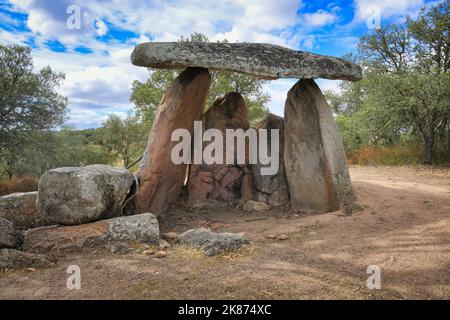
x=149 y=252
x=73 y=196
x=14 y=259
x=272 y=189
x=160 y=254
x=212 y=243
x=20 y=208
x=121 y=248
x=282 y=237
x=262 y=60
x=271 y=236
x=160 y=180
x=163 y=244
x=314 y=157
x=170 y=236
x=255 y=206
x=222 y=182
x=8 y=234
x=141 y=228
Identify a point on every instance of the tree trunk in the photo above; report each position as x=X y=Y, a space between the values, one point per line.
x=429 y=146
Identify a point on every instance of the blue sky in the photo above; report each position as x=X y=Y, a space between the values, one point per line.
x=95 y=57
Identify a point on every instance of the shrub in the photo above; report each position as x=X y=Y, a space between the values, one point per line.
x=22 y=184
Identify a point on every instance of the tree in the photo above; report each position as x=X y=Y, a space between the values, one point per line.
x=125 y=137
x=406 y=85
x=45 y=150
x=146 y=96
x=29 y=101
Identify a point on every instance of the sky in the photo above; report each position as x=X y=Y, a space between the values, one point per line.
x=94 y=50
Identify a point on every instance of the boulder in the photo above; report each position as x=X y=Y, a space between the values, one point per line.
x=71 y=196
x=222 y=182
x=272 y=189
x=8 y=235
x=20 y=208
x=314 y=157
x=161 y=180
x=142 y=228
x=259 y=59
x=14 y=259
x=212 y=243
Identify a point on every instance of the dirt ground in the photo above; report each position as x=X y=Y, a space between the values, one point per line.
x=404 y=228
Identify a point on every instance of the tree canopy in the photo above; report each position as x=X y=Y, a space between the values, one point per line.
x=28 y=101
x=405 y=91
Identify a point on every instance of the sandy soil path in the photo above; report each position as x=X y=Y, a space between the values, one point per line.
x=404 y=228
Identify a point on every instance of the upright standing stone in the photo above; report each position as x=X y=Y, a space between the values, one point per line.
x=160 y=179
x=272 y=189
x=222 y=182
x=314 y=157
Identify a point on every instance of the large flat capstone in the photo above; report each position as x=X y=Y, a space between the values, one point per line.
x=259 y=59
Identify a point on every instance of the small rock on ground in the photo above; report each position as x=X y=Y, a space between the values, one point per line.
x=160 y=254
x=163 y=244
x=212 y=243
x=14 y=259
x=170 y=236
x=255 y=206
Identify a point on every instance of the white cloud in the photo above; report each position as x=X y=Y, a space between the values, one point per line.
x=10 y=37
x=85 y=118
x=278 y=90
x=319 y=18
x=388 y=8
x=101 y=28
x=99 y=83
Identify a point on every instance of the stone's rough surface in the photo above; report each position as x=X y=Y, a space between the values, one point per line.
x=14 y=259
x=71 y=196
x=316 y=169
x=222 y=182
x=272 y=189
x=21 y=209
x=8 y=235
x=160 y=179
x=262 y=60
x=259 y=206
x=212 y=243
x=142 y=228
x=121 y=248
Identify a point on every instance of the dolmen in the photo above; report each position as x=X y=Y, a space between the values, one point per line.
x=313 y=174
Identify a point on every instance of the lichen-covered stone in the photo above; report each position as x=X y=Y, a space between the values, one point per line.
x=20 y=208
x=262 y=60
x=161 y=181
x=227 y=183
x=71 y=196
x=272 y=189
x=212 y=243
x=314 y=157
x=143 y=228
x=8 y=234
x=14 y=259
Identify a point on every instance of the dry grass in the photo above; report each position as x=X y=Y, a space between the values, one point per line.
x=22 y=184
x=186 y=252
x=396 y=155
